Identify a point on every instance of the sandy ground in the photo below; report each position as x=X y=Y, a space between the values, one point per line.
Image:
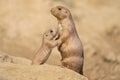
x=18 y=68
x=22 y=23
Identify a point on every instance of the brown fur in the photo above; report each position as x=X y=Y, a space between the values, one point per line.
x=48 y=43
x=69 y=43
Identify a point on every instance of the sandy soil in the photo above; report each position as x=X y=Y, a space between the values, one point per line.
x=18 y=68
x=22 y=23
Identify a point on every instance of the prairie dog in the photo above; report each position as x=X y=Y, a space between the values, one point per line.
x=69 y=43
x=48 y=43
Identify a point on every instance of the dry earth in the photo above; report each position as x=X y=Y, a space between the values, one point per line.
x=22 y=23
x=43 y=72
x=13 y=68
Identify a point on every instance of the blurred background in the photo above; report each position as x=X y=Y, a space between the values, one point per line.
x=22 y=23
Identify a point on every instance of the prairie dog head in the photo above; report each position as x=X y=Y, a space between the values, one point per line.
x=50 y=34
x=50 y=38
x=60 y=12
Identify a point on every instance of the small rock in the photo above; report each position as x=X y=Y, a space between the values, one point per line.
x=6 y=58
x=15 y=60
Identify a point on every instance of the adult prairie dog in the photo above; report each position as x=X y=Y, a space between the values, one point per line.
x=69 y=43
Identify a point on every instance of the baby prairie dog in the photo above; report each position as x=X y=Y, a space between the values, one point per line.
x=48 y=43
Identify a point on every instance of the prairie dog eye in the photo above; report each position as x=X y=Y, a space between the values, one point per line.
x=59 y=9
x=51 y=31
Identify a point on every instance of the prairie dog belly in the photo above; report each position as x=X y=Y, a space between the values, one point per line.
x=71 y=48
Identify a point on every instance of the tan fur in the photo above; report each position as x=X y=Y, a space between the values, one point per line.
x=69 y=43
x=48 y=43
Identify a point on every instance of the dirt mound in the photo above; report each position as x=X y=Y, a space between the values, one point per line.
x=12 y=71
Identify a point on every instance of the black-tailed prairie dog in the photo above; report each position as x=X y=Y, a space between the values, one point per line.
x=69 y=43
x=48 y=43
